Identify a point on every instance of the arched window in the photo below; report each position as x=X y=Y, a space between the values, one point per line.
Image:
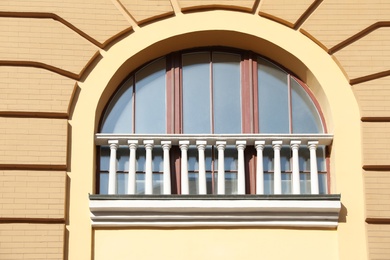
x=172 y=123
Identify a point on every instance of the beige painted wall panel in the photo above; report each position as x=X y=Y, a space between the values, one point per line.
x=31 y=241
x=33 y=89
x=378 y=241
x=99 y=19
x=369 y=55
x=374 y=97
x=335 y=21
x=286 y=10
x=45 y=41
x=376 y=143
x=377 y=190
x=216 y=244
x=234 y=4
x=142 y=10
x=33 y=141
x=32 y=194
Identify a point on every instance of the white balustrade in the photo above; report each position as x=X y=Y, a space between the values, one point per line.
x=201 y=145
x=133 y=144
x=148 y=167
x=241 y=167
x=185 y=189
x=296 y=189
x=259 y=145
x=295 y=145
x=221 y=167
x=112 y=170
x=166 y=145
x=277 y=145
x=313 y=167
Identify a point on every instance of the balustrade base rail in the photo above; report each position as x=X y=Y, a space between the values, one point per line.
x=318 y=211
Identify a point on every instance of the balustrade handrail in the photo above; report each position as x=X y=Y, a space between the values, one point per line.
x=323 y=139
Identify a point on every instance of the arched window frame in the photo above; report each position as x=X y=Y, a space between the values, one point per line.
x=149 y=210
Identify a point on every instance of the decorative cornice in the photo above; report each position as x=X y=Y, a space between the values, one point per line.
x=319 y=211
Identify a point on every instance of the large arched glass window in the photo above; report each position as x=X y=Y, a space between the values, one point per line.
x=214 y=100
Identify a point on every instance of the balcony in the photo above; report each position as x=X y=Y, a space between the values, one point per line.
x=280 y=208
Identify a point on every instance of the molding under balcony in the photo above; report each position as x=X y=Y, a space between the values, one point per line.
x=311 y=211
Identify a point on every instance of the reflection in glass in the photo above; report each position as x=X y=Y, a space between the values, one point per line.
x=196 y=93
x=305 y=118
x=273 y=98
x=226 y=93
x=118 y=117
x=150 y=99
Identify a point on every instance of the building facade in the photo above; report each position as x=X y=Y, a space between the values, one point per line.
x=62 y=66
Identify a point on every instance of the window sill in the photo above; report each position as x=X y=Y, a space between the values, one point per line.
x=320 y=211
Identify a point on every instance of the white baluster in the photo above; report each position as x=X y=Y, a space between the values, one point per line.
x=296 y=186
x=112 y=170
x=133 y=144
x=221 y=167
x=313 y=167
x=148 y=167
x=201 y=145
x=184 y=167
x=259 y=145
x=241 y=167
x=277 y=145
x=166 y=145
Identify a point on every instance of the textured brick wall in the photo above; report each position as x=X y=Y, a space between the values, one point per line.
x=378 y=241
x=33 y=141
x=32 y=194
x=31 y=241
x=374 y=97
x=31 y=89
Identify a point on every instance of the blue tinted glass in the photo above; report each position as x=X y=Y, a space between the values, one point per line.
x=227 y=93
x=273 y=98
x=150 y=115
x=305 y=118
x=103 y=185
x=196 y=93
x=118 y=118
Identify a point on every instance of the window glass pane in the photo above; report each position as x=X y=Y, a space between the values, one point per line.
x=196 y=93
x=158 y=183
x=122 y=155
x=103 y=185
x=321 y=161
x=226 y=93
x=268 y=159
x=286 y=183
x=285 y=156
x=158 y=161
x=140 y=183
x=193 y=182
x=304 y=158
x=121 y=182
x=305 y=183
x=150 y=115
x=268 y=183
x=231 y=183
x=273 y=98
x=305 y=118
x=322 y=183
x=140 y=160
x=104 y=158
x=118 y=118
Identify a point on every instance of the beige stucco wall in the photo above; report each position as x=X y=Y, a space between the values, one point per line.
x=119 y=60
